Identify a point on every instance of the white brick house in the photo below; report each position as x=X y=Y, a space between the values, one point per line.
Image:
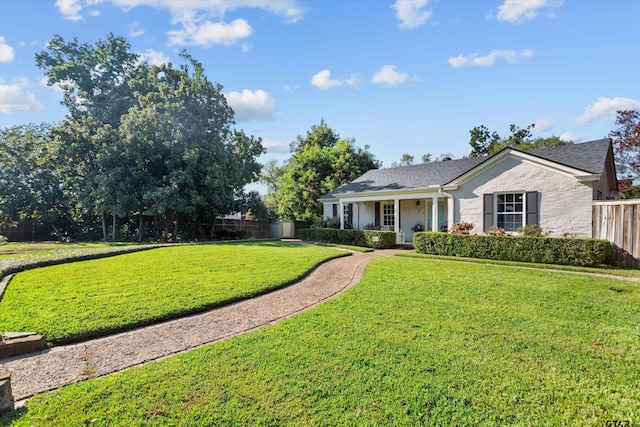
x=552 y=187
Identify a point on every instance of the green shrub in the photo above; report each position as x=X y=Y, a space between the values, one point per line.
x=532 y=230
x=461 y=228
x=386 y=239
x=230 y=234
x=331 y=223
x=496 y=231
x=3 y=240
x=546 y=250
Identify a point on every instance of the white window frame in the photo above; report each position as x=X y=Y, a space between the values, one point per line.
x=388 y=215
x=522 y=213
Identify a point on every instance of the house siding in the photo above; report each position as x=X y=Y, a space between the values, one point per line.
x=564 y=203
x=366 y=214
x=327 y=210
x=410 y=215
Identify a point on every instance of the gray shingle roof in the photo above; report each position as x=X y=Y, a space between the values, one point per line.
x=587 y=156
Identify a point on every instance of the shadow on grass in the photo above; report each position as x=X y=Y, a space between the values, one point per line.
x=9 y=417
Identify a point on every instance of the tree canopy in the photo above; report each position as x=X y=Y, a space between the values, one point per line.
x=137 y=139
x=320 y=163
x=626 y=143
x=29 y=187
x=484 y=142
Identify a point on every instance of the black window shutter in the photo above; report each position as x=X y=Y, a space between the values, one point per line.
x=351 y=213
x=532 y=208
x=335 y=210
x=377 y=215
x=488 y=212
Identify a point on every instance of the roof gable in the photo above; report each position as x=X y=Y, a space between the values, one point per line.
x=546 y=161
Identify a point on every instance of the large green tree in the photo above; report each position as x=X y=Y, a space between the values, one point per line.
x=96 y=84
x=320 y=163
x=30 y=189
x=178 y=142
x=146 y=139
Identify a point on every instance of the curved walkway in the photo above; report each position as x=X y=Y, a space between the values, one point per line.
x=52 y=368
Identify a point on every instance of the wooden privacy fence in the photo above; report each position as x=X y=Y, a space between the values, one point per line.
x=619 y=222
x=257 y=229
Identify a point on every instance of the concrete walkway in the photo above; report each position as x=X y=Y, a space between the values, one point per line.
x=53 y=368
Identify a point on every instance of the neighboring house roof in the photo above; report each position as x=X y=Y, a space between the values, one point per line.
x=587 y=156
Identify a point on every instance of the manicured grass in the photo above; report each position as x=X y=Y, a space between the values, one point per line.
x=417 y=342
x=604 y=270
x=16 y=257
x=55 y=246
x=79 y=300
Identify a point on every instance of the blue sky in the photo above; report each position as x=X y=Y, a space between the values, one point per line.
x=400 y=76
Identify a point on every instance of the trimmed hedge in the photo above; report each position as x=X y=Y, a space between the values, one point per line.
x=386 y=239
x=546 y=250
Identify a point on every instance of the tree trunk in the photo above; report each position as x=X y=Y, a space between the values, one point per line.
x=175 y=229
x=104 y=226
x=113 y=232
x=140 y=227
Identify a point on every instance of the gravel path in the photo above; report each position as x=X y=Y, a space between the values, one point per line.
x=53 y=368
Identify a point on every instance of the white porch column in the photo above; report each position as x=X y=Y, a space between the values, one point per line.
x=355 y=214
x=450 y=211
x=396 y=218
x=434 y=213
x=341 y=214
x=426 y=214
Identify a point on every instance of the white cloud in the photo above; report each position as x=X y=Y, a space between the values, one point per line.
x=516 y=11
x=275 y=146
x=187 y=10
x=135 y=29
x=605 y=108
x=322 y=80
x=488 y=60
x=568 y=136
x=388 y=75
x=412 y=13
x=542 y=125
x=209 y=33
x=14 y=98
x=154 y=58
x=6 y=52
x=200 y=22
x=70 y=9
x=44 y=81
x=354 y=80
x=251 y=105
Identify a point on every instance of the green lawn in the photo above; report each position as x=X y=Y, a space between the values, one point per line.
x=417 y=342
x=70 y=302
x=20 y=256
x=16 y=247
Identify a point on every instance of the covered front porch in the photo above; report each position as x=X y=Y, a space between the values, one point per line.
x=403 y=215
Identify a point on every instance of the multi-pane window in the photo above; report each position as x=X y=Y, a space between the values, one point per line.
x=346 y=212
x=510 y=211
x=388 y=217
